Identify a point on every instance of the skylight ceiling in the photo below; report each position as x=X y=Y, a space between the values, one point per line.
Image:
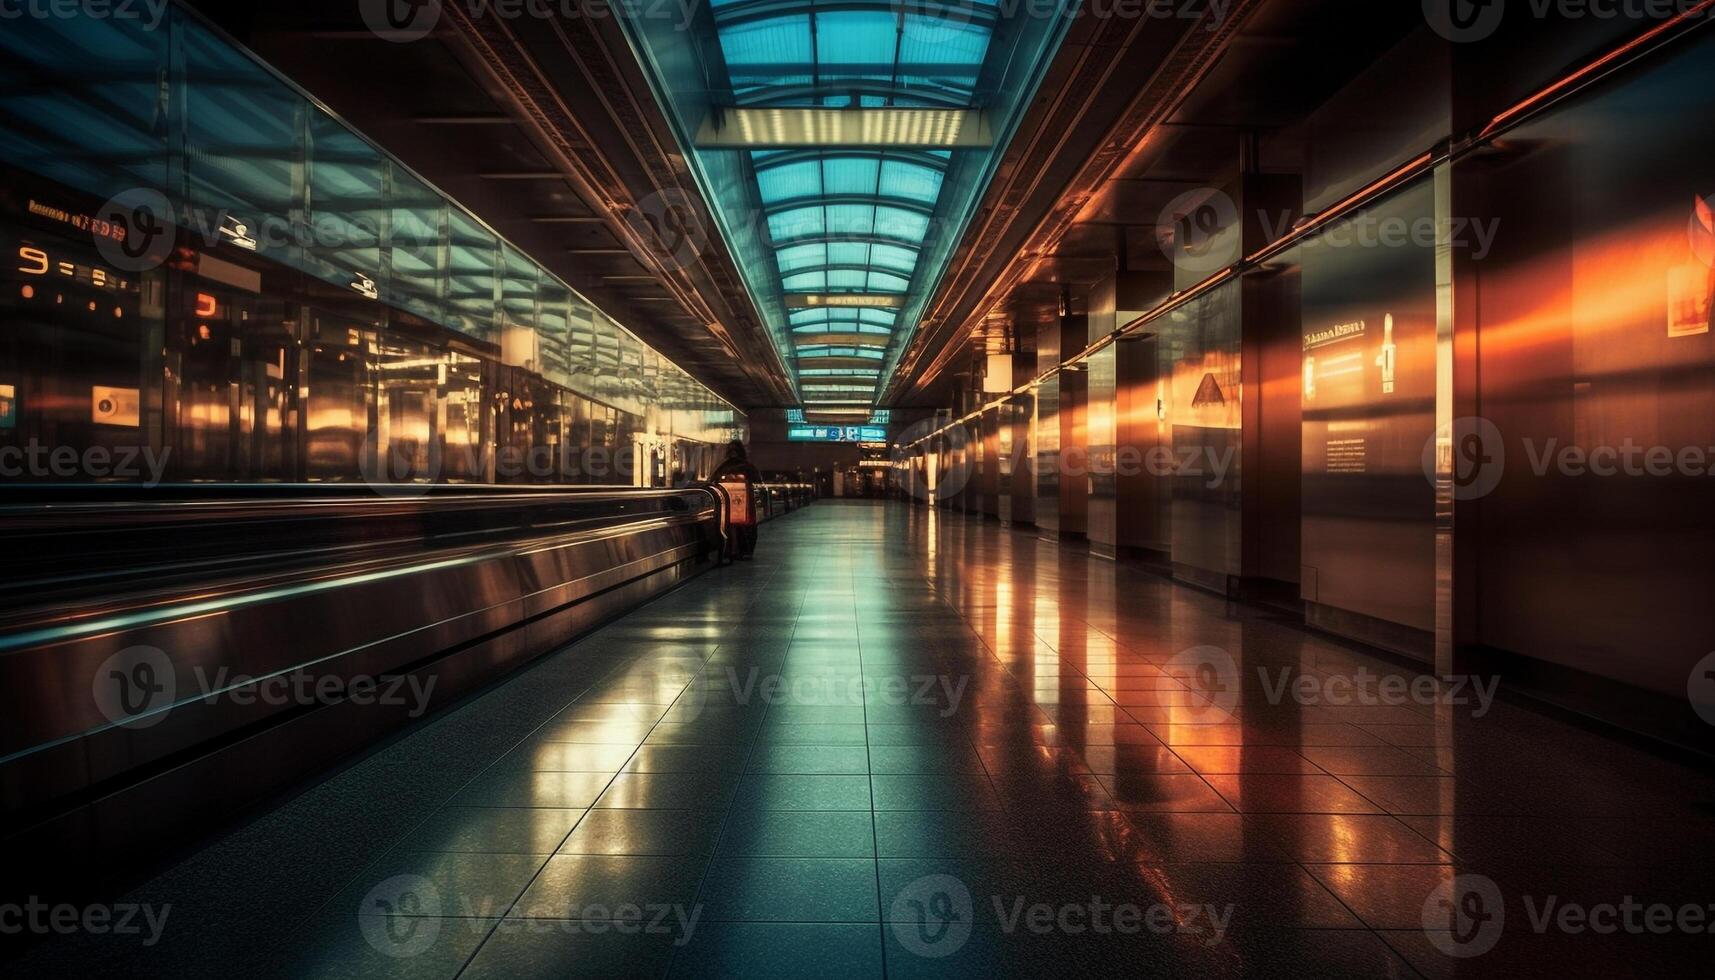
x=845 y=143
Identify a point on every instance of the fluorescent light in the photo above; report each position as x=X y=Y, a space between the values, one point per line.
x=868 y=126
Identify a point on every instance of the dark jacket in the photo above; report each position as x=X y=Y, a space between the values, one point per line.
x=738 y=467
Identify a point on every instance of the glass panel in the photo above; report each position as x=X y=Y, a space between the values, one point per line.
x=802 y=257
x=472 y=252
x=805 y=282
x=893 y=258
x=346 y=208
x=415 y=236
x=850 y=175
x=798 y=223
x=855 y=43
x=911 y=181
x=883 y=282
x=336 y=396
x=461 y=441
x=849 y=253
x=851 y=219
x=520 y=340
x=100 y=133
x=243 y=131
x=790 y=180
x=554 y=337
x=899 y=224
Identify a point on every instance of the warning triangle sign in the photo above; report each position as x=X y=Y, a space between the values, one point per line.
x=1209 y=393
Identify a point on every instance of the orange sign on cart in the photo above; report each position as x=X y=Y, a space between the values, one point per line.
x=738 y=491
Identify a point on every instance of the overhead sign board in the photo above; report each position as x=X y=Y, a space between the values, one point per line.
x=836 y=433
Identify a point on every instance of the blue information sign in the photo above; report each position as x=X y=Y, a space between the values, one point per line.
x=836 y=433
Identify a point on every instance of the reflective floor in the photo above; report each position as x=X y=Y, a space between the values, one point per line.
x=905 y=743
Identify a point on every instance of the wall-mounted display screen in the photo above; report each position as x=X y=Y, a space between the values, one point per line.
x=836 y=433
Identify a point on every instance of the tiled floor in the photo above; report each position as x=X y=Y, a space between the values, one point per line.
x=905 y=743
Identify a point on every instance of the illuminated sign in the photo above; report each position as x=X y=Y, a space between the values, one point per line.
x=836 y=433
x=884 y=301
x=33 y=261
x=82 y=222
x=115 y=406
x=235 y=232
x=795 y=415
x=1334 y=334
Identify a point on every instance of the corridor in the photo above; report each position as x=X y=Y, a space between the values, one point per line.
x=902 y=743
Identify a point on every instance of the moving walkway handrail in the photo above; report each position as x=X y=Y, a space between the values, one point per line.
x=65 y=538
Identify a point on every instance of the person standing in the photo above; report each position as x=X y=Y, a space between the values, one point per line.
x=744 y=479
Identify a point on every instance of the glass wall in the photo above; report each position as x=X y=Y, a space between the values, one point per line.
x=207 y=266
